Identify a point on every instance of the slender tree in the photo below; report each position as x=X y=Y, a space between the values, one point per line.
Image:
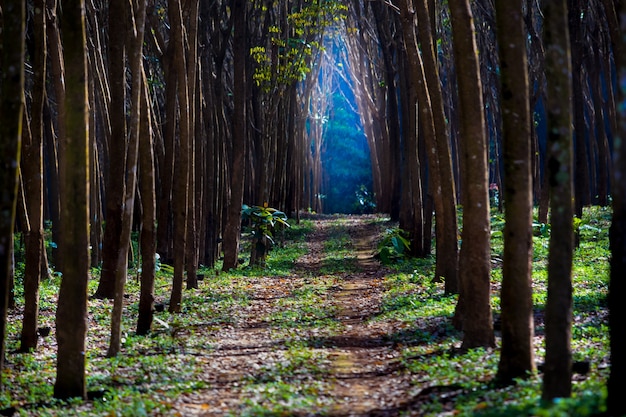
x=11 y=111
x=558 y=318
x=516 y=355
x=236 y=164
x=440 y=159
x=137 y=10
x=617 y=287
x=473 y=308
x=71 y=318
x=118 y=148
x=32 y=176
x=148 y=221
x=181 y=163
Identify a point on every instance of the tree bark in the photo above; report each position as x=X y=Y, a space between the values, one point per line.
x=232 y=228
x=440 y=160
x=516 y=303
x=181 y=162
x=475 y=254
x=118 y=148
x=11 y=111
x=148 y=220
x=71 y=318
x=136 y=10
x=617 y=286
x=558 y=317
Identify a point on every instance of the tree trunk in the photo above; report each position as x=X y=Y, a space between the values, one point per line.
x=11 y=111
x=32 y=176
x=115 y=187
x=148 y=221
x=71 y=318
x=440 y=160
x=558 y=317
x=516 y=303
x=475 y=255
x=135 y=42
x=232 y=228
x=181 y=162
x=617 y=286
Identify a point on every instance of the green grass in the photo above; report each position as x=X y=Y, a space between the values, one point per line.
x=153 y=371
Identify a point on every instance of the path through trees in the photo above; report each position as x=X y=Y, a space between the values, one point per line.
x=359 y=372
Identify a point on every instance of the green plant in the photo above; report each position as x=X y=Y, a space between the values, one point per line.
x=262 y=220
x=394 y=246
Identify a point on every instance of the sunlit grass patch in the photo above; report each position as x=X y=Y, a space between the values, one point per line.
x=413 y=296
x=307 y=305
x=290 y=385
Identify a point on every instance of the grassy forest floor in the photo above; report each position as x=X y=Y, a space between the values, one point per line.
x=324 y=330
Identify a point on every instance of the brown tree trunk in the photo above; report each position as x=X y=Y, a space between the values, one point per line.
x=558 y=317
x=516 y=303
x=416 y=98
x=135 y=42
x=617 y=286
x=11 y=111
x=148 y=219
x=32 y=176
x=191 y=249
x=232 y=227
x=71 y=318
x=473 y=308
x=440 y=160
x=181 y=162
x=52 y=147
x=115 y=186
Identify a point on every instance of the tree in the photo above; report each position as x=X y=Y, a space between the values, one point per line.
x=31 y=167
x=148 y=223
x=113 y=243
x=11 y=111
x=181 y=162
x=616 y=11
x=475 y=255
x=232 y=227
x=516 y=355
x=71 y=318
x=558 y=317
x=137 y=11
x=440 y=160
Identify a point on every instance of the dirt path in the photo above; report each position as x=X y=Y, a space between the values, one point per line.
x=361 y=374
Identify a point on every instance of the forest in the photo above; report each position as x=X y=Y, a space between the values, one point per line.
x=339 y=190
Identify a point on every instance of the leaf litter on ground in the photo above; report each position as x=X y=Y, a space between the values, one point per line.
x=324 y=330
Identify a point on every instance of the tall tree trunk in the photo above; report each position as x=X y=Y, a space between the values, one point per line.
x=148 y=220
x=473 y=308
x=181 y=162
x=558 y=318
x=53 y=147
x=232 y=228
x=11 y=110
x=417 y=98
x=582 y=193
x=136 y=10
x=115 y=187
x=32 y=175
x=191 y=249
x=617 y=286
x=440 y=160
x=516 y=303
x=71 y=318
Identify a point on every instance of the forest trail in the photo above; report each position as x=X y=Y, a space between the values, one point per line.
x=359 y=374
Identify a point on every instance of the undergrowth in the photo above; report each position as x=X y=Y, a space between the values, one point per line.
x=153 y=371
